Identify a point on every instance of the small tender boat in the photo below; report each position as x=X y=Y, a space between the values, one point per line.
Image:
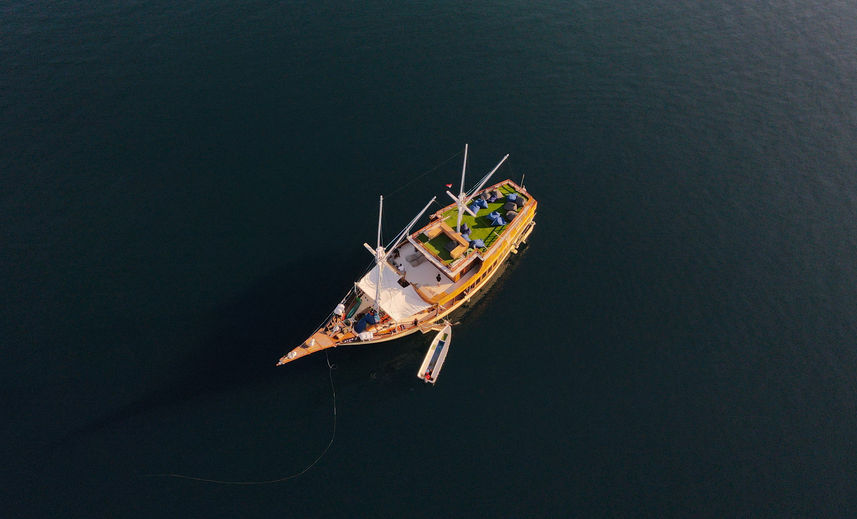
x=430 y=368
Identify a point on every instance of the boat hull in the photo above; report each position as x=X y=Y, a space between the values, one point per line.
x=321 y=340
x=436 y=355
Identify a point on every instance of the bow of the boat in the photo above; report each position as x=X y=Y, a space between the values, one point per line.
x=317 y=342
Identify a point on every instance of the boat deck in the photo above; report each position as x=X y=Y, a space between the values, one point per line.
x=424 y=277
x=480 y=225
x=439 y=242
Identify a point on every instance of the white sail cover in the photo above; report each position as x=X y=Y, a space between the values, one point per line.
x=399 y=302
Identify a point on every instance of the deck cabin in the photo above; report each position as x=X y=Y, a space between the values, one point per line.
x=452 y=258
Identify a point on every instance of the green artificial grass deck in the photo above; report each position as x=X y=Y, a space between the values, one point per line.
x=480 y=228
x=437 y=245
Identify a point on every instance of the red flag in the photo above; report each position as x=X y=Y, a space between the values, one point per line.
x=448 y=186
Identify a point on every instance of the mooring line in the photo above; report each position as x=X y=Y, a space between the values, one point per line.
x=330 y=368
x=421 y=175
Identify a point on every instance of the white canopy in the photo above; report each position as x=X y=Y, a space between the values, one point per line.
x=399 y=302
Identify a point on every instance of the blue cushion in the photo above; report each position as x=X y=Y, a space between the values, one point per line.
x=481 y=203
x=511 y=197
x=474 y=207
x=476 y=244
x=360 y=327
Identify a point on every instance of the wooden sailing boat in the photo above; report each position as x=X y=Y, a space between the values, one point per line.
x=420 y=278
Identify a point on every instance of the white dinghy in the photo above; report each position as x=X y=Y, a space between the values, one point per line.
x=430 y=368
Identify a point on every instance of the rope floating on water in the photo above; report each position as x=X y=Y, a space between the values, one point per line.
x=421 y=175
x=277 y=480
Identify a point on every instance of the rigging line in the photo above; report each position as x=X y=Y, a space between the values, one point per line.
x=478 y=184
x=513 y=173
x=330 y=367
x=403 y=233
x=421 y=175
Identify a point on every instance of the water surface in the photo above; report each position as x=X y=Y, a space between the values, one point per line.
x=184 y=191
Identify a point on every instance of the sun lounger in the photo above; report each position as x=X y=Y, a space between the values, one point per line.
x=416 y=262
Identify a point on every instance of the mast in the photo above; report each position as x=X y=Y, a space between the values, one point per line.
x=484 y=180
x=461 y=191
x=461 y=200
x=381 y=254
x=379 y=258
x=404 y=233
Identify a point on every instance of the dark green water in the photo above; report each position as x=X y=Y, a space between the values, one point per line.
x=185 y=188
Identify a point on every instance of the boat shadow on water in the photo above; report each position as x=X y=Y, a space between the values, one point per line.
x=247 y=336
x=256 y=327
